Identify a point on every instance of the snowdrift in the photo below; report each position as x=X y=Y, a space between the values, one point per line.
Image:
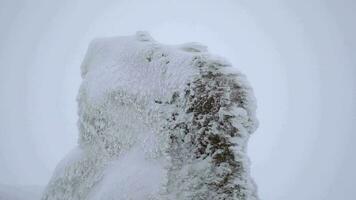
x=158 y=122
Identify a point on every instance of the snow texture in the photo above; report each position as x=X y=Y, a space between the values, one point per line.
x=158 y=122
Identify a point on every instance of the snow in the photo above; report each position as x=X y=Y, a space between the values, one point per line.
x=142 y=178
x=158 y=122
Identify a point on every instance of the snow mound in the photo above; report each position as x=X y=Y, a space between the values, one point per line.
x=158 y=122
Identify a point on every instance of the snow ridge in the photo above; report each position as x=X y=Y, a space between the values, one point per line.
x=158 y=122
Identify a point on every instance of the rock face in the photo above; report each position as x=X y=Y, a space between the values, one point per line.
x=158 y=122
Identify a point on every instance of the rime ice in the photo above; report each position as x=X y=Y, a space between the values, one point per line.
x=158 y=122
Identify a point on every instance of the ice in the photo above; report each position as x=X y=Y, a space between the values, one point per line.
x=158 y=122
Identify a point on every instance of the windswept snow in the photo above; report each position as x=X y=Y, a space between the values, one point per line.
x=158 y=122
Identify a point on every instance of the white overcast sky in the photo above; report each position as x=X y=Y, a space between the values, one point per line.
x=299 y=55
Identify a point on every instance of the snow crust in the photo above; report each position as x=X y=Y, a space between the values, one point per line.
x=158 y=122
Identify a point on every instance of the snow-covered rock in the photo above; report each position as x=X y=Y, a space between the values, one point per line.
x=158 y=122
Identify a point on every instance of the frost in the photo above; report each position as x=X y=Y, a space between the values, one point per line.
x=158 y=122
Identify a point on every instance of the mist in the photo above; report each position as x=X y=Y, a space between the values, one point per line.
x=299 y=57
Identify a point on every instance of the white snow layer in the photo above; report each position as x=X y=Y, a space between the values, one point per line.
x=158 y=122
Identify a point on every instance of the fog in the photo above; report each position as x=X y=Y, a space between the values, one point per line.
x=299 y=56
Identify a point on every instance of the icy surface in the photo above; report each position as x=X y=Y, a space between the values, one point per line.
x=158 y=122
